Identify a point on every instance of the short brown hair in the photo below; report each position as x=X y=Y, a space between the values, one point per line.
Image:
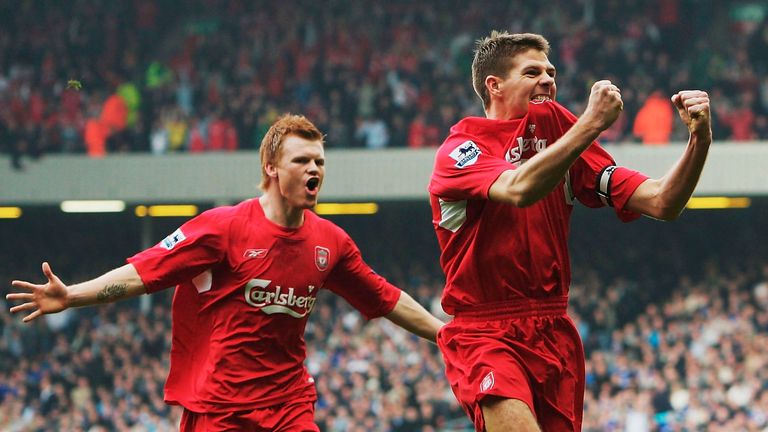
x=272 y=143
x=494 y=55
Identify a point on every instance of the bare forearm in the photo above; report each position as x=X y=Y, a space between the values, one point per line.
x=536 y=178
x=411 y=316
x=120 y=283
x=678 y=184
x=666 y=197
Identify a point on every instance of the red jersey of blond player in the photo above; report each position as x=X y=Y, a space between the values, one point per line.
x=246 y=287
x=495 y=252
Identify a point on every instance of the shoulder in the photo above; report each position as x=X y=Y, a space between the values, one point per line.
x=323 y=226
x=242 y=209
x=221 y=218
x=330 y=234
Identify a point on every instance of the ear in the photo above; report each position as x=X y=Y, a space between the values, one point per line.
x=271 y=170
x=493 y=84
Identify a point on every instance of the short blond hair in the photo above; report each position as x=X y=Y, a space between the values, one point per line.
x=272 y=143
x=494 y=55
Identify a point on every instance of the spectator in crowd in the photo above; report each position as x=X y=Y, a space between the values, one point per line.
x=654 y=122
x=343 y=61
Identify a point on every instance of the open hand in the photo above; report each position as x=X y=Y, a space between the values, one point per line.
x=41 y=299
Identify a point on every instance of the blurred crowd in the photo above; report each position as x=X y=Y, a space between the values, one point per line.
x=675 y=333
x=211 y=75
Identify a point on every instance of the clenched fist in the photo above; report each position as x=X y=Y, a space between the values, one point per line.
x=604 y=104
x=693 y=107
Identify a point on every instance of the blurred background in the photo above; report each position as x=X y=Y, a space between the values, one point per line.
x=120 y=120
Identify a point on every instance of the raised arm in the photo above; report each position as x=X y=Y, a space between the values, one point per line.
x=411 y=316
x=665 y=198
x=54 y=296
x=536 y=178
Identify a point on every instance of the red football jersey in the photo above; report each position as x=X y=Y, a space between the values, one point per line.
x=246 y=287
x=495 y=252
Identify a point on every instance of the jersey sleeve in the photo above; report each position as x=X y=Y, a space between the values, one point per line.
x=596 y=179
x=465 y=169
x=358 y=284
x=196 y=246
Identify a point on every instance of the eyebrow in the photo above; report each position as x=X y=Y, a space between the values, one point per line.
x=539 y=66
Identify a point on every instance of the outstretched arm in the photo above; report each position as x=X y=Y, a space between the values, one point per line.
x=54 y=296
x=536 y=178
x=411 y=316
x=665 y=198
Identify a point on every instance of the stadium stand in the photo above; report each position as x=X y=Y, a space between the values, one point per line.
x=675 y=328
x=674 y=317
x=151 y=76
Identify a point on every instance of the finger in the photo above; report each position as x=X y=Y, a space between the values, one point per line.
x=698 y=112
x=52 y=278
x=20 y=296
x=677 y=100
x=25 y=285
x=693 y=93
x=47 y=271
x=696 y=101
x=23 y=307
x=32 y=316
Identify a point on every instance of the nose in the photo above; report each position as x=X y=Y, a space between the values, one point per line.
x=313 y=168
x=547 y=80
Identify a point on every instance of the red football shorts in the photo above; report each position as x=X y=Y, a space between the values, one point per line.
x=526 y=350
x=288 y=417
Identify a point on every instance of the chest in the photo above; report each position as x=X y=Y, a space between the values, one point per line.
x=531 y=140
x=272 y=275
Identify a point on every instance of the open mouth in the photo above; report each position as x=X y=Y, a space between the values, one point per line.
x=313 y=183
x=540 y=98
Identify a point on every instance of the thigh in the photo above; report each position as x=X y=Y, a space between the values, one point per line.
x=481 y=365
x=500 y=414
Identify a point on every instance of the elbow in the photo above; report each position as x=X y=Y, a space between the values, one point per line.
x=522 y=197
x=668 y=213
x=525 y=201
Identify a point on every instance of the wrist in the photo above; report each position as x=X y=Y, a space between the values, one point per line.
x=701 y=137
x=589 y=128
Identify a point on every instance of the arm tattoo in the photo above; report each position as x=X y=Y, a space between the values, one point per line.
x=112 y=292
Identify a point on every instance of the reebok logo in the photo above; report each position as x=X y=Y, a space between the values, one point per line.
x=255 y=253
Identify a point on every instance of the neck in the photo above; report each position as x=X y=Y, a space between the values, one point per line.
x=499 y=111
x=277 y=210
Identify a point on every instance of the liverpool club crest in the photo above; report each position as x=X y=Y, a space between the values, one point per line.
x=322 y=257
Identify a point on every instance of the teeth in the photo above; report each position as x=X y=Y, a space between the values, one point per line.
x=540 y=98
